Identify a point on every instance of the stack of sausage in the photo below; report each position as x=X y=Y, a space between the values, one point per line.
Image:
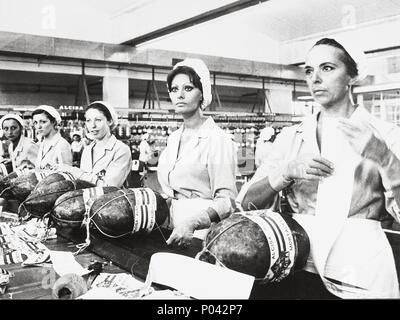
x=65 y=200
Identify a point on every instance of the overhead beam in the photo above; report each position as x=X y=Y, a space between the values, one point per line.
x=187 y=23
x=39 y=49
x=382 y=49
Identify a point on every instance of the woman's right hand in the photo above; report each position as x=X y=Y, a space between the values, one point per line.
x=309 y=167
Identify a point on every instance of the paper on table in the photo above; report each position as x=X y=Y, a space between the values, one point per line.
x=109 y=280
x=198 y=279
x=165 y=295
x=114 y=286
x=64 y=263
x=101 y=293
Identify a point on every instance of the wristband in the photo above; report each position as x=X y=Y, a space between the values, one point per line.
x=213 y=215
x=278 y=180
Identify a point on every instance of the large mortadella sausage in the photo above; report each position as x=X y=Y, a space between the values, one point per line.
x=43 y=197
x=128 y=211
x=23 y=184
x=261 y=243
x=69 y=209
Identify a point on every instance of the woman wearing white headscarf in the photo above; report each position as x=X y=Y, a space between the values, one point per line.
x=22 y=150
x=53 y=148
x=106 y=161
x=197 y=168
x=341 y=169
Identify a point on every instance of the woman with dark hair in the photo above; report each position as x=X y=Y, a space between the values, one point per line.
x=23 y=151
x=106 y=161
x=340 y=171
x=53 y=148
x=197 y=168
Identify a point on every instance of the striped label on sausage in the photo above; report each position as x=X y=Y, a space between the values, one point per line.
x=40 y=175
x=89 y=195
x=67 y=176
x=280 y=241
x=3 y=169
x=144 y=209
x=138 y=196
x=138 y=218
x=151 y=204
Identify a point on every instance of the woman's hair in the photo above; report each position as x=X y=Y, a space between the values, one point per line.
x=100 y=107
x=17 y=122
x=346 y=58
x=48 y=115
x=193 y=76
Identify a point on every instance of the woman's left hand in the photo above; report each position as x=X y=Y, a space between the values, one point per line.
x=182 y=234
x=363 y=140
x=186 y=222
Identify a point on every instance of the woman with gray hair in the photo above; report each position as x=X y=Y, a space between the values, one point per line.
x=197 y=168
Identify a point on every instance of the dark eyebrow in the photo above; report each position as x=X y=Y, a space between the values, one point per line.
x=185 y=84
x=322 y=64
x=325 y=63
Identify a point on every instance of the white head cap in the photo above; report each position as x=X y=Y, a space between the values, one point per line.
x=146 y=136
x=114 y=115
x=51 y=111
x=12 y=116
x=204 y=74
x=266 y=133
x=359 y=57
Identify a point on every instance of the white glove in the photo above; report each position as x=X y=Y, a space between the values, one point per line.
x=188 y=215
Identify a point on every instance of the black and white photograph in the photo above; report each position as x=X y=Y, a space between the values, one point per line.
x=197 y=156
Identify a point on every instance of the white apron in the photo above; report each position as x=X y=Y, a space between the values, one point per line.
x=354 y=252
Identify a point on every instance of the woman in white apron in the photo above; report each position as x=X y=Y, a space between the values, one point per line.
x=53 y=148
x=22 y=150
x=197 y=168
x=341 y=169
x=106 y=161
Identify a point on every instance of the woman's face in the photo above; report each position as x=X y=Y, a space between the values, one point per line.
x=43 y=125
x=97 y=124
x=12 y=130
x=326 y=75
x=184 y=95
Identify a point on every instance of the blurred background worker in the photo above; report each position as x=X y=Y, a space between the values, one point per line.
x=77 y=148
x=144 y=154
x=263 y=145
